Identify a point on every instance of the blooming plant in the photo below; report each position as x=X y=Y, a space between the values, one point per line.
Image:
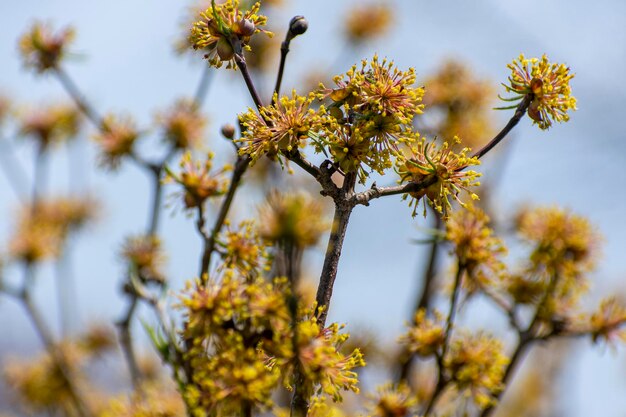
x=248 y=335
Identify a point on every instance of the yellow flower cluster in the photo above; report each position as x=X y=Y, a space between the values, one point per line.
x=146 y=256
x=319 y=354
x=426 y=336
x=608 y=321
x=373 y=109
x=50 y=124
x=153 y=400
x=279 y=128
x=292 y=218
x=235 y=330
x=42 y=49
x=392 y=401
x=42 y=230
x=427 y=162
x=476 y=248
x=548 y=86
x=243 y=249
x=224 y=29
x=116 y=139
x=476 y=364
x=182 y=125
x=197 y=181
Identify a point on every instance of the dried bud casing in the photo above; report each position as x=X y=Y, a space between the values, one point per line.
x=244 y=27
x=298 y=25
x=224 y=49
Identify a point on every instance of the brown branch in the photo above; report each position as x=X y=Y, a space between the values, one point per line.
x=203 y=86
x=343 y=209
x=423 y=298
x=243 y=67
x=376 y=192
x=242 y=164
x=519 y=113
x=80 y=100
x=297 y=26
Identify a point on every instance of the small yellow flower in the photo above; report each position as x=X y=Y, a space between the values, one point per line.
x=295 y=219
x=548 y=86
x=51 y=124
x=182 y=125
x=42 y=49
x=608 y=321
x=116 y=139
x=426 y=336
x=146 y=256
x=197 y=181
x=445 y=167
x=243 y=249
x=223 y=28
x=282 y=127
x=392 y=401
x=476 y=364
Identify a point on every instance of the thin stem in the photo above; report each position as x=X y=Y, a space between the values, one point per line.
x=66 y=296
x=423 y=296
x=48 y=341
x=204 y=85
x=80 y=100
x=333 y=252
x=284 y=50
x=126 y=342
x=243 y=67
x=453 y=305
x=39 y=176
x=240 y=168
x=519 y=113
x=376 y=192
x=16 y=176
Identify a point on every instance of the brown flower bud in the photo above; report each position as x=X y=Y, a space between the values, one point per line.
x=298 y=25
x=244 y=27
x=228 y=131
x=225 y=50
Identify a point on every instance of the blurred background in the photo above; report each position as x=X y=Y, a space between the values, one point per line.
x=124 y=60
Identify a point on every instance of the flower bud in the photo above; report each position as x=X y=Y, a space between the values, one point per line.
x=298 y=25
x=244 y=27
x=224 y=49
x=228 y=131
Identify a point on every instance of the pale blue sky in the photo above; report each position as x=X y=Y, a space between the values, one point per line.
x=126 y=64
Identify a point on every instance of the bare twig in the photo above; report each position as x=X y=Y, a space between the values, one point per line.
x=203 y=86
x=297 y=26
x=80 y=100
x=519 y=113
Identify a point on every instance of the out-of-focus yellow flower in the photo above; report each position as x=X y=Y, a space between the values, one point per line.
x=182 y=124
x=5 y=108
x=42 y=230
x=116 y=139
x=548 y=86
x=151 y=401
x=97 y=339
x=197 y=181
x=243 y=248
x=426 y=336
x=476 y=248
x=292 y=218
x=367 y=21
x=476 y=364
x=146 y=256
x=51 y=124
x=608 y=321
x=41 y=385
x=391 y=401
x=222 y=27
x=463 y=103
x=427 y=161
x=42 y=49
